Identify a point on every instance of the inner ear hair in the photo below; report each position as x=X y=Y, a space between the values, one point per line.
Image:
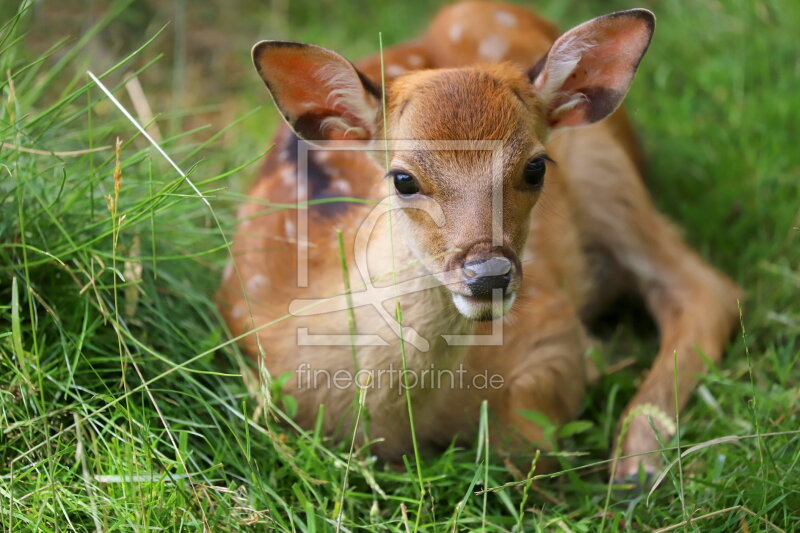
x=321 y=95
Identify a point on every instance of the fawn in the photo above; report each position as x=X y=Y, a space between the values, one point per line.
x=512 y=200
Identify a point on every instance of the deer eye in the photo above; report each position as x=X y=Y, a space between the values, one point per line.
x=404 y=183
x=535 y=170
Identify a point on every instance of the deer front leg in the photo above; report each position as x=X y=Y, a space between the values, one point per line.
x=695 y=308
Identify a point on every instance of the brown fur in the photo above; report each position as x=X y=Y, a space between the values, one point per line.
x=589 y=233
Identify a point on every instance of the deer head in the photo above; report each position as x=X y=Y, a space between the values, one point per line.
x=486 y=196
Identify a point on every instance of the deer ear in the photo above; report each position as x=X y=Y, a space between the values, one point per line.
x=588 y=70
x=320 y=94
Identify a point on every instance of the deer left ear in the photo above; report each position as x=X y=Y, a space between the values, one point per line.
x=320 y=94
x=588 y=70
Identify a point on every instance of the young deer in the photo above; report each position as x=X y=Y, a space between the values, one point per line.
x=528 y=237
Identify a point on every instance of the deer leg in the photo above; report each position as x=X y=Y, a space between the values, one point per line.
x=696 y=309
x=695 y=306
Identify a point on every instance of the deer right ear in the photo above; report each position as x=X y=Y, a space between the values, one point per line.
x=588 y=70
x=320 y=94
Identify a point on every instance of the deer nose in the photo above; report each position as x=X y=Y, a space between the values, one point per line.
x=485 y=275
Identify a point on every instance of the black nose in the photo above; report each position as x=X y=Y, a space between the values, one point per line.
x=483 y=276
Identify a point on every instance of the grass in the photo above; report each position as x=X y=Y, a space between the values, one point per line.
x=122 y=404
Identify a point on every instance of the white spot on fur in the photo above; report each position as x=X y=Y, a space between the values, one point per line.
x=238 y=312
x=322 y=156
x=455 y=32
x=289 y=229
x=342 y=187
x=505 y=18
x=395 y=70
x=287 y=176
x=493 y=48
x=228 y=272
x=414 y=60
x=256 y=282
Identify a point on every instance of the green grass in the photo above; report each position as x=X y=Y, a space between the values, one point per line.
x=122 y=404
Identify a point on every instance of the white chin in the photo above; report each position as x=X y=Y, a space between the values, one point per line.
x=482 y=310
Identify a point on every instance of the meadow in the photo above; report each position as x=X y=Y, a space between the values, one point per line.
x=122 y=400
